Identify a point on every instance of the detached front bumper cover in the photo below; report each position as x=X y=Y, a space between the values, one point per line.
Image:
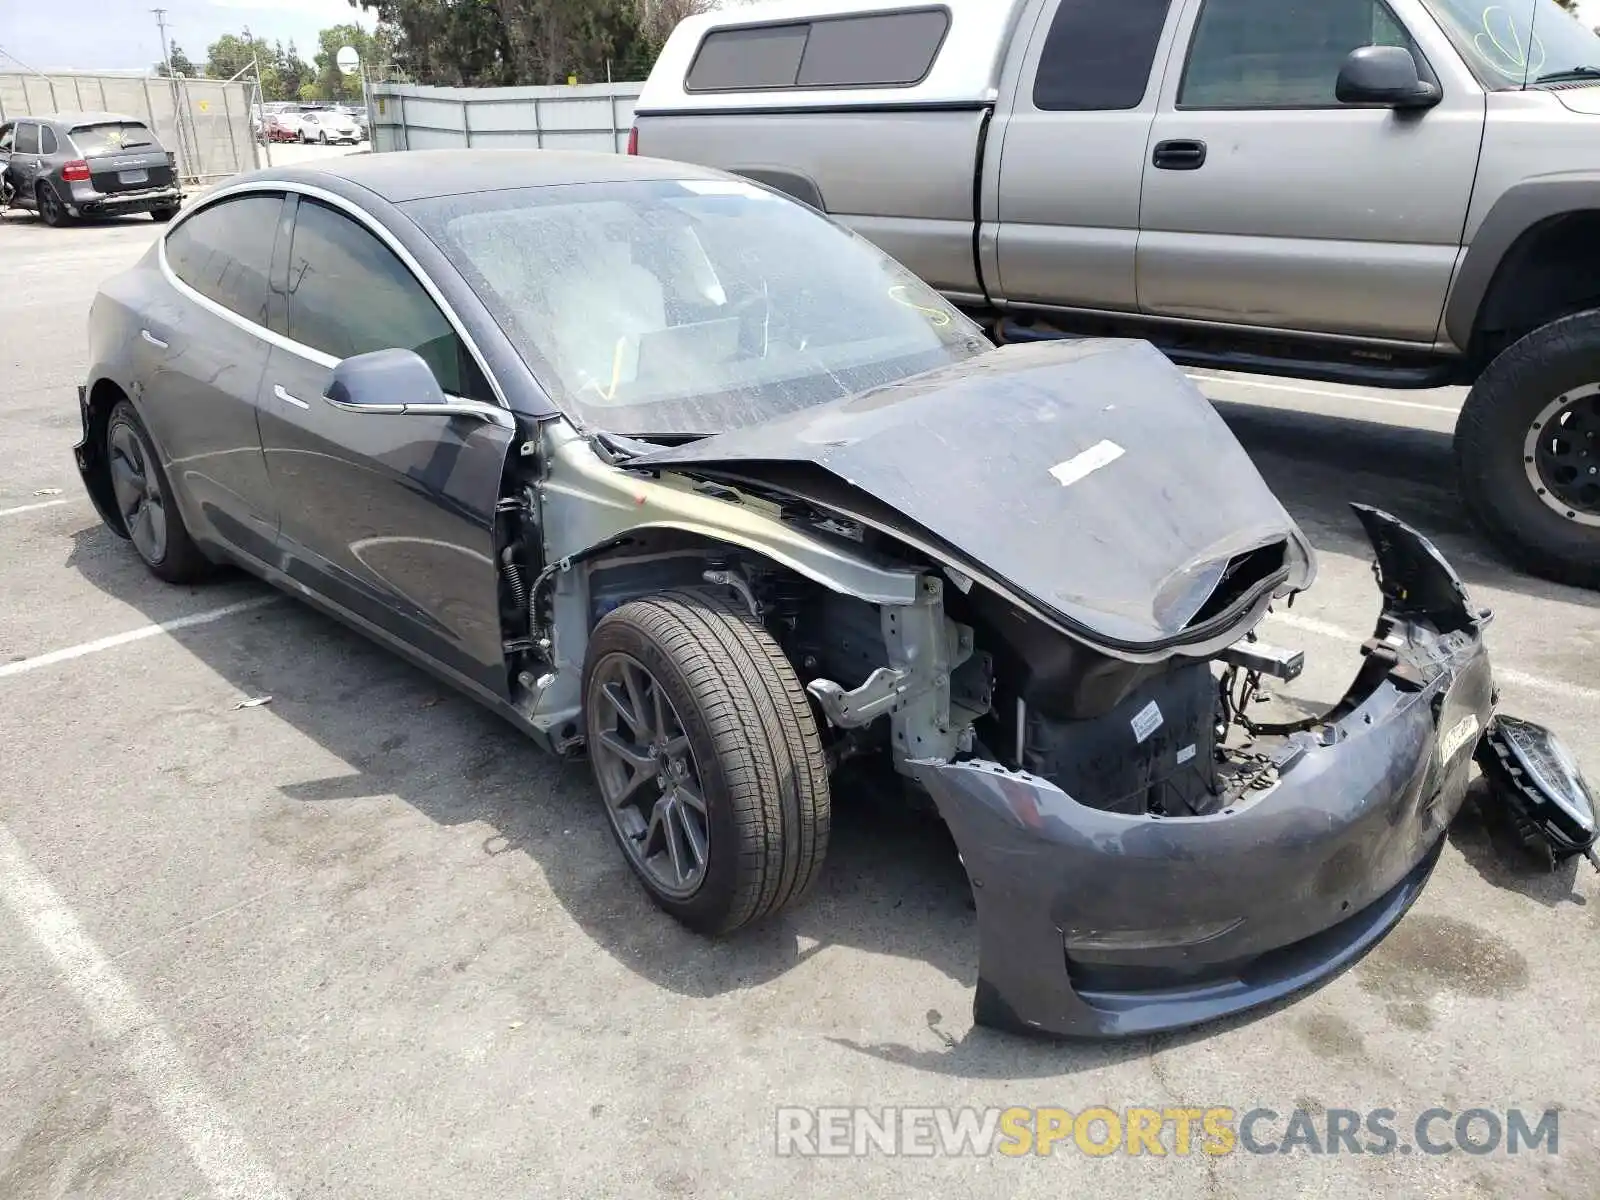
x=1104 y=924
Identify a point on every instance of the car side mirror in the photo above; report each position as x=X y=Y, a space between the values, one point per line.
x=383 y=381
x=400 y=383
x=1384 y=75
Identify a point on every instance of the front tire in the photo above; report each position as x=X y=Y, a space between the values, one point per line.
x=1528 y=451
x=143 y=495
x=707 y=759
x=163 y=215
x=323 y=138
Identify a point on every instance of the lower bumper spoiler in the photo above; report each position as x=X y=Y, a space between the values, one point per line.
x=1105 y=924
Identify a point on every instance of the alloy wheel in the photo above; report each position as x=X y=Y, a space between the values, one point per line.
x=1561 y=455
x=138 y=494
x=648 y=776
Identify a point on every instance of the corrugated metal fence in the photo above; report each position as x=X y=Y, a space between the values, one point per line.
x=205 y=122
x=593 y=116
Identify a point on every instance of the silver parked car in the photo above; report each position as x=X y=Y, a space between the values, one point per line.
x=1393 y=192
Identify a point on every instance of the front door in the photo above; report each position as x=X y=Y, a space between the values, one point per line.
x=1268 y=203
x=390 y=517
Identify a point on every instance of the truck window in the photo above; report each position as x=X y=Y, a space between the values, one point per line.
x=877 y=50
x=1280 y=53
x=1098 y=54
x=895 y=49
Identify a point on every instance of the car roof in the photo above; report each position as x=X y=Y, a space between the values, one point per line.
x=83 y=118
x=417 y=174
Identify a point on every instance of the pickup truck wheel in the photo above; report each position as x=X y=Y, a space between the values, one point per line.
x=1528 y=450
x=707 y=758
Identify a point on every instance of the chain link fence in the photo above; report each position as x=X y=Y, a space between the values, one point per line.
x=204 y=122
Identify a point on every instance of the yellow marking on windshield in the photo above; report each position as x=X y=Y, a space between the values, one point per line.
x=900 y=293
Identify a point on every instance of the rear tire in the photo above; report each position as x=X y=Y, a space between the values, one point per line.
x=163 y=214
x=144 y=500
x=752 y=747
x=51 y=211
x=1536 y=492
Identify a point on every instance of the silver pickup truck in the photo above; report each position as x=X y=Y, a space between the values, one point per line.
x=1394 y=192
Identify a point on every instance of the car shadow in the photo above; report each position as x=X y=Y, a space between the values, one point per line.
x=893 y=884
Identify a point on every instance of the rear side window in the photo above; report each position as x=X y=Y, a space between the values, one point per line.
x=1098 y=55
x=112 y=137
x=349 y=295
x=27 y=138
x=879 y=50
x=47 y=140
x=224 y=252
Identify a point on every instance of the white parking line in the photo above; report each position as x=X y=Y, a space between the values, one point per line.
x=1324 y=392
x=133 y=635
x=220 y=1152
x=22 y=508
x=1522 y=679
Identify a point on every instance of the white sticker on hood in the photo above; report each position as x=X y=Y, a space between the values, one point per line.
x=1101 y=454
x=1146 y=721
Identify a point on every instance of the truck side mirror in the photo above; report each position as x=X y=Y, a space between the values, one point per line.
x=1384 y=75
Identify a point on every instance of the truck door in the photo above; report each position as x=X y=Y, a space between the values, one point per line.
x=1268 y=203
x=1065 y=158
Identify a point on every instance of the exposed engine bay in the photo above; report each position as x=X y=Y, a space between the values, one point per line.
x=1069 y=669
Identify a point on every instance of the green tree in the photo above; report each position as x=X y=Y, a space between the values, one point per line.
x=181 y=65
x=293 y=71
x=376 y=50
x=489 y=42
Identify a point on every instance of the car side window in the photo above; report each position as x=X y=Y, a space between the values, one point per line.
x=27 y=138
x=1098 y=55
x=8 y=138
x=349 y=294
x=224 y=252
x=1280 y=53
x=47 y=140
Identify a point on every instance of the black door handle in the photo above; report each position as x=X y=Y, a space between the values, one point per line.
x=1179 y=154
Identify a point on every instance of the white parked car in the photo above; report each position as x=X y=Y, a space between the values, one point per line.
x=329 y=126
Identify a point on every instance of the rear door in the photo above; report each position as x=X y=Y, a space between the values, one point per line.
x=392 y=517
x=203 y=348
x=1269 y=203
x=1070 y=154
x=123 y=156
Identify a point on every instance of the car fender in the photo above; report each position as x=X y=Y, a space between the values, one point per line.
x=1518 y=210
x=587 y=503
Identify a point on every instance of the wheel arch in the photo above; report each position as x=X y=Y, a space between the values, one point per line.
x=1534 y=259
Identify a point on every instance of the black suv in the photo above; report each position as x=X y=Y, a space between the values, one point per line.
x=87 y=164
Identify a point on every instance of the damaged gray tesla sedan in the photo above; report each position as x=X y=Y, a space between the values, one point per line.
x=668 y=469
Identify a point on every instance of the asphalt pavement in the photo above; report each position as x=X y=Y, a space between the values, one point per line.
x=364 y=941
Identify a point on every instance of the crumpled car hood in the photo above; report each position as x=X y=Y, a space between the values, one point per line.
x=1091 y=476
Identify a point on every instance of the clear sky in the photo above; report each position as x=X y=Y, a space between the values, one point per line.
x=121 y=34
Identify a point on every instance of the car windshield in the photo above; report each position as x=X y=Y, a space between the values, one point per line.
x=690 y=307
x=1514 y=43
x=111 y=137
